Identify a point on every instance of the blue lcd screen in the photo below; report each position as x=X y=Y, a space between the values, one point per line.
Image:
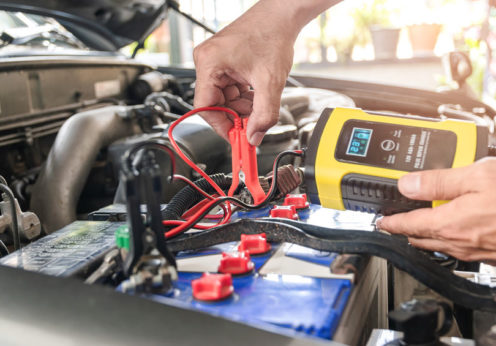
x=359 y=142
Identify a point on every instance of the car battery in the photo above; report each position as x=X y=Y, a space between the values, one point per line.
x=75 y=250
x=290 y=289
x=115 y=213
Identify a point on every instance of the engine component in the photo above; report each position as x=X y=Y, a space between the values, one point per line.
x=169 y=102
x=153 y=82
x=112 y=263
x=197 y=140
x=299 y=107
x=276 y=140
x=355 y=158
x=418 y=320
x=62 y=178
x=29 y=225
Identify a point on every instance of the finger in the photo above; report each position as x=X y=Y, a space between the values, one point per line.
x=231 y=92
x=420 y=223
x=463 y=253
x=206 y=95
x=243 y=88
x=266 y=105
x=438 y=184
x=249 y=95
x=241 y=106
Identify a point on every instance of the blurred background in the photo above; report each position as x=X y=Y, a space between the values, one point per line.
x=398 y=42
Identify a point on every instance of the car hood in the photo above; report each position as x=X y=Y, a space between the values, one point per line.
x=101 y=24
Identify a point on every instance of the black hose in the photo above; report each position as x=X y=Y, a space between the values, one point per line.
x=15 y=224
x=3 y=249
x=188 y=196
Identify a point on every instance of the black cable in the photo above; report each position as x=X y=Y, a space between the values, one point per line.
x=242 y=204
x=15 y=223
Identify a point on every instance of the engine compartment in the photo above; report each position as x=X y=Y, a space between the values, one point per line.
x=68 y=146
x=62 y=143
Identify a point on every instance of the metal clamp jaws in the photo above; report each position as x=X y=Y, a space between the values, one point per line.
x=244 y=157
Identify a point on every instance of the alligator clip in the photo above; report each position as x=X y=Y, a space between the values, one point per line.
x=244 y=157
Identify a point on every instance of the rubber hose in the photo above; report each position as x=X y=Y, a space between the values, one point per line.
x=188 y=196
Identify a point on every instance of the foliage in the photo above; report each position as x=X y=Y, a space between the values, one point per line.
x=375 y=13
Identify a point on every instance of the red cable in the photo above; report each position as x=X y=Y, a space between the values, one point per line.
x=180 y=222
x=185 y=225
x=179 y=152
x=183 y=156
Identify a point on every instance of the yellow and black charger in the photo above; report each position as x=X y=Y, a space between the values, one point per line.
x=355 y=158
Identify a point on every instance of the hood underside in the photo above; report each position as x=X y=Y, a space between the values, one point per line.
x=101 y=24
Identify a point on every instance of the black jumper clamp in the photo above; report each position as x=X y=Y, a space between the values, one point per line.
x=149 y=264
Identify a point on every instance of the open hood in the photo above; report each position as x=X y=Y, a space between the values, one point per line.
x=100 y=24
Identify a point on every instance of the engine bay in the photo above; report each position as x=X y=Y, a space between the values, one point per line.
x=93 y=176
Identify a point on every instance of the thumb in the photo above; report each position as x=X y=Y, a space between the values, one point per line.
x=438 y=184
x=266 y=104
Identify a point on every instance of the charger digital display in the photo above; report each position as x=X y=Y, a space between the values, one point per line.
x=359 y=142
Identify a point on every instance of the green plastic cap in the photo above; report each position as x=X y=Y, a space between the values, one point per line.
x=122 y=237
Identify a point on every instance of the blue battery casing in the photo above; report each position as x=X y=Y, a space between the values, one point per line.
x=295 y=303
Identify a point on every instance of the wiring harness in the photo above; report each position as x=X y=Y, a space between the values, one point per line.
x=209 y=194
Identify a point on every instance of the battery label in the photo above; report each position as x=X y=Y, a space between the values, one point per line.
x=67 y=251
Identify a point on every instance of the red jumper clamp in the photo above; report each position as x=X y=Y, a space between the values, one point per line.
x=244 y=157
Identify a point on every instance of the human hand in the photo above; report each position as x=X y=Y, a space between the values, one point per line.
x=465 y=227
x=255 y=51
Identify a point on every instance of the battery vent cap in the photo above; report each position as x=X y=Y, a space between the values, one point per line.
x=284 y=211
x=236 y=263
x=212 y=287
x=254 y=244
x=298 y=200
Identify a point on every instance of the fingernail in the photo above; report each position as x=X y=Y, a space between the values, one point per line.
x=378 y=222
x=410 y=184
x=257 y=138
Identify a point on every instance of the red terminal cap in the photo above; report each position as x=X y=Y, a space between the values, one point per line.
x=298 y=200
x=236 y=263
x=254 y=244
x=212 y=287
x=284 y=211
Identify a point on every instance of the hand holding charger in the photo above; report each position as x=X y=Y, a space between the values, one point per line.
x=355 y=158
